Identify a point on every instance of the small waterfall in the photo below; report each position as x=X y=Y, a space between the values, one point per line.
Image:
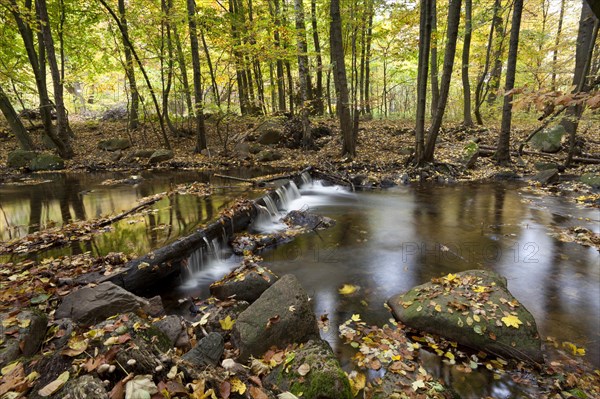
x=270 y=205
x=195 y=262
x=287 y=193
x=306 y=178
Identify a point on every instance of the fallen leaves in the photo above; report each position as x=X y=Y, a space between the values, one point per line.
x=227 y=323
x=511 y=321
x=55 y=385
x=348 y=289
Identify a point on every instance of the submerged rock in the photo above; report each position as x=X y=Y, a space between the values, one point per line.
x=245 y=283
x=89 y=305
x=307 y=220
x=475 y=309
x=314 y=373
x=281 y=316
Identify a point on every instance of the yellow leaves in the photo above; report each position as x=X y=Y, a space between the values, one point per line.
x=574 y=349
x=450 y=278
x=54 y=385
x=75 y=346
x=511 y=321
x=479 y=288
x=355 y=317
x=237 y=385
x=357 y=382
x=227 y=323
x=348 y=289
x=438 y=308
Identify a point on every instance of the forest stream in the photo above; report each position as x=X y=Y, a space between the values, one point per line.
x=384 y=242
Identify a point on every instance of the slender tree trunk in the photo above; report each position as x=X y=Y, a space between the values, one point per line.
x=129 y=70
x=557 y=43
x=435 y=84
x=62 y=122
x=368 y=110
x=496 y=73
x=183 y=70
x=502 y=155
x=200 y=129
x=425 y=28
x=586 y=38
x=479 y=90
x=288 y=72
x=239 y=59
x=340 y=80
x=273 y=89
x=451 y=37
x=213 y=79
x=167 y=6
x=16 y=126
x=318 y=97
x=275 y=11
x=303 y=73
x=467 y=120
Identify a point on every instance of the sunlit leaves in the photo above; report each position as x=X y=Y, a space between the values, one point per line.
x=227 y=323
x=511 y=321
x=348 y=289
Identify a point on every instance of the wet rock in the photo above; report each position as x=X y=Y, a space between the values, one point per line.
x=47 y=161
x=23 y=335
x=208 y=352
x=469 y=155
x=155 y=307
x=325 y=378
x=307 y=220
x=362 y=182
x=282 y=315
x=398 y=385
x=160 y=155
x=255 y=243
x=506 y=175
x=268 y=156
x=246 y=283
x=174 y=329
x=89 y=305
x=211 y=313
x=20 y=158
x=475 y=309
x=548 y=140
x=86 y=386
x=591 y=179
x=548 y=176
x=114 y=144
x=388 y=182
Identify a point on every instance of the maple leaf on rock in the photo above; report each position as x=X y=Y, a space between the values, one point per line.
x=512 y=321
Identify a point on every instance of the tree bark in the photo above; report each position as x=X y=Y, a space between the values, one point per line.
x=494 y=83
x=451 y=37
x=467 y=120
x=340 y=80
x=303 y=73
x=183 y=70
x=275 y=14
x=129 y=70
x=435 y=84
x=198 y=106
x=213 y=78
x=167 y=6
x=425 y=27
x=16 y=126
x=502 y=155
x=557 y=43
x=62 y=122
x=480 y=91
x=319 y=108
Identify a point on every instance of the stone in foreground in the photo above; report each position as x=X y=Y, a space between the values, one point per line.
x=281 y=316
x=475 y=309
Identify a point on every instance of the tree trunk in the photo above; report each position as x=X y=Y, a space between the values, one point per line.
x=319 y=108
x=183 y=70
x=16 y=126
x=340 y=80
x=303 y=73
x=467 y=120
x=435 y=85
x=213 y=79
x=167 y=6
x=502 y=155
x=200 y=129
x=62 y=122
x=451 y=37
x=480 y=90
x=557 y=43
x=239 y=59
x=275 y=14
x=496 y=73
x=425 y=22
x=129 y=71
x=586 y=38
x=368 y=110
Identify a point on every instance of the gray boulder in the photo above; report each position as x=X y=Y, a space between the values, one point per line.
x=591 y=179
x=114 y=144
x=47 y=161
x=23 y=336
x=268 y=156
x=20 y=158
x=548 y=140
x=90 y=305
x=548 y=176
x=324 y=379
x=270 y=132
x=244 y=284
x=281 y=316
x=475 y=309
x=174 y=328
x=208 y=352
x=160 y=155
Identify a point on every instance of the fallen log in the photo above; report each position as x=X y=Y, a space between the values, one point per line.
x=143 y=274
x=489 y=151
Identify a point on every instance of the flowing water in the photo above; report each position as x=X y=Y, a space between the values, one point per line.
x=385 y=242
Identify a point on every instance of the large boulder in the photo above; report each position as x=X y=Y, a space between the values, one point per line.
x=591 y=179
x=313 y=373
x=160 y=155
x=23 y=335
x=175 y=329
x=548 y=176
x=114 y=144
x=90 y=305
x=281 y=316
x=548 y=140
x=268 y=156
x=47 y=161
x=475 y=309
x=270 y=132
x=20 y=158
x=244 y=284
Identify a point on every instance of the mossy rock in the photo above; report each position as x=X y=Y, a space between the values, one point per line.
x=325 y=378
x=469 y=155
x=548 y=140
x=268 y=156
x=475 y=309
x=20 y=158
x=47 y=161
x=591 y=179
x=114 y=144
x=161 y=155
